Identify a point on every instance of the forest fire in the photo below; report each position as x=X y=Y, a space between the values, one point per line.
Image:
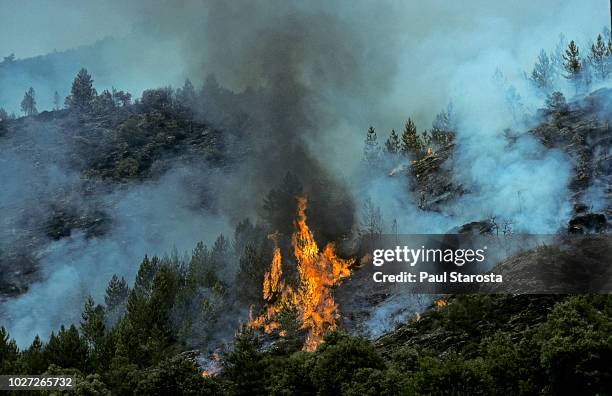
x=313 y=300
x=441 y=303
x=213 y=366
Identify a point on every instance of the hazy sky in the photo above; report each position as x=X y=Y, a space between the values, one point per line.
x=34 y=27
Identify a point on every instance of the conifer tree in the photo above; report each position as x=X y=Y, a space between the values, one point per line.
x=542 y=73
x=371 y=150
x=145 y=275
x=33 y=358
x=599 y=61
x=163 y=292
x=573 y=64
x=82 y=92
x=244 y=364
x=28 y=104
x=8 y=352
x=67 y=349
x=116 y=293
x=92 y=323
x=393 y=145
x=411 y=143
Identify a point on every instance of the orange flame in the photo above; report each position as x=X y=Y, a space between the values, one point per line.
x=318 y=271
x=441 y=303
x=271 y=283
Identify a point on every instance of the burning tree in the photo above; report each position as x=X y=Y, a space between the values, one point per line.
x=312 y=300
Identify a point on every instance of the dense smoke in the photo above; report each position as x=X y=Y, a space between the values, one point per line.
x=320 y=74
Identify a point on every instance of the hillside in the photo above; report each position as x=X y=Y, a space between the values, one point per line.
x=74 y=159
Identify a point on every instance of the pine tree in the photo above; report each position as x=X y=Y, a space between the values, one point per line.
x=67 y=349
x=599 y=61
x=573 y=64
x=392 y=145
x=8 y=352
x=371 y=150
x=243 y=366
x=33 y=358
x=163 y=292
x=92 y=323
x=411 y=143
x=28 y=104
x=251 y=269
x=82 y=92
x=542 y=73
x=116 y=293
x=199 y=265
x=145 y=275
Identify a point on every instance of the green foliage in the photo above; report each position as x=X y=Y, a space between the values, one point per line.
x=252 y=267
x=339 y=358
x=82 y=93
x=452 y=375
x=8 y=352
x=512 y=365
x=576 y=347
x=374 y=382
x=178 y=375
x=244 y=365
x=32 y=359
x=67 y=349
x=412 y=143
x=572 y=64
x=599 y=61
x=291 y=376
x=115 y=299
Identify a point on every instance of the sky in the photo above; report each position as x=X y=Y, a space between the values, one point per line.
x=35 y=27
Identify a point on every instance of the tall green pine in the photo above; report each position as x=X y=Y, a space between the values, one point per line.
x=599 y=61
x=572 y=64
x=411 y=143
x=82 y=93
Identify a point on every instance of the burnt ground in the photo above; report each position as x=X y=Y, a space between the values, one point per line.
x=576 y=264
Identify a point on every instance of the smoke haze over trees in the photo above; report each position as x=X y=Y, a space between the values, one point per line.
x=155 y=172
